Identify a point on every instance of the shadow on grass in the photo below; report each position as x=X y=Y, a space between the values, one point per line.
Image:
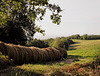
x=73 y=47
x=74 y=56
x=78 y=56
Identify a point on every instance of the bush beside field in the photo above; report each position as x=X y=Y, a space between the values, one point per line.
x=62 y=42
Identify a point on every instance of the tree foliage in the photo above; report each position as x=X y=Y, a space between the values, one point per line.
x=85 y=37
x=37 y=43
x=22 y=15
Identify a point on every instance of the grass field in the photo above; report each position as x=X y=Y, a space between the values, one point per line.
x=79 y=62
x=84 y=50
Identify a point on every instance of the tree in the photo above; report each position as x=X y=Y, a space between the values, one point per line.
x=22 y=15
x=84 y=37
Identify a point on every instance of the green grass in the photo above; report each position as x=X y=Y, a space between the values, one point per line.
x=84 y=50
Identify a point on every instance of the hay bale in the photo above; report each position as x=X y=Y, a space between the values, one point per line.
x=11 y=52
x=40 y=54
x=50 y=54
x=19 y=54
x=22 y=56
x=53 y=52
x=63 y=52
x=46 y=52
x=26 y=53
x=3 y=48
x=30 y=54
x=57 y=54
x=35 y=53
x=45 y=55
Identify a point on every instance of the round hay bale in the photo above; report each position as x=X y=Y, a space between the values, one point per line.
x=16 y=54
x=21 y=52
x=50 y=53
x=57 y=54
x=48 y=58
x=30 y=54
x=63 y=52
x=46 y=55
x=26 y=53
x=54 y=53
x=35 y=53
x=41 y=54
x=3 y=48
x=11 y=52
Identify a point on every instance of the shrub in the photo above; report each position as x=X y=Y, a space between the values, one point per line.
x=49 y=41
x=62 y=43
x=37 y=43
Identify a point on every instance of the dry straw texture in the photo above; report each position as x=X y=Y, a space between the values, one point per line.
x=63 y=52
x=22 y=54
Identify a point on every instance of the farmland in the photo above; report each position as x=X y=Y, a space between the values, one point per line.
x=81 y=61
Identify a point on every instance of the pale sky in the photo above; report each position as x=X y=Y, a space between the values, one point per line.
x=78 y=17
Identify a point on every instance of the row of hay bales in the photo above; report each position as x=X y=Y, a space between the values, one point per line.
x=22 y=54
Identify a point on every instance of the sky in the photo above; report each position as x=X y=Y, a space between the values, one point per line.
x=78 y=17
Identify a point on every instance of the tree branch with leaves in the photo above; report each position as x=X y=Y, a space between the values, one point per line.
x=23 y=14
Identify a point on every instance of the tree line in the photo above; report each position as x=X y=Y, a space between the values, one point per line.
x=85 y=37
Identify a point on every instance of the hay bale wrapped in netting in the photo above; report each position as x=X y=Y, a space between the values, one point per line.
x=57 y=54
x=50 y=54
x=63 y=52
x=3 y=48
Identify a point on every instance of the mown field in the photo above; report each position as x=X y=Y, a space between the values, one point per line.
x=84 y=50
x=80 y=62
